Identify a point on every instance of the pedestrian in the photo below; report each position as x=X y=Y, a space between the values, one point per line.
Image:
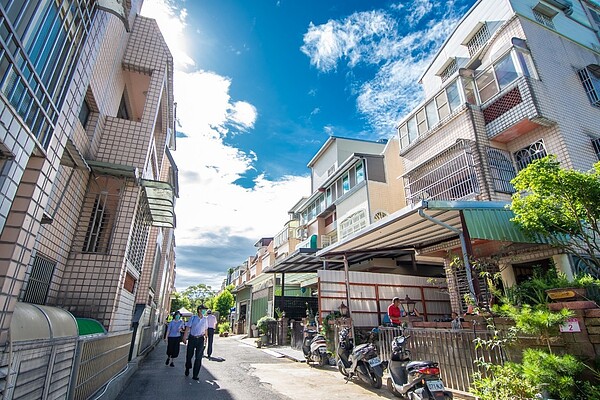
x=211 y=322
x=195 y=332
x=173 y=337
x=394 y=312
x=456 y=324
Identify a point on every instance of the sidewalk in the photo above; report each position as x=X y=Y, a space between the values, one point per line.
x=276 y=351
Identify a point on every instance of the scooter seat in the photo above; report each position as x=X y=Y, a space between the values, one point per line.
x=413 y=365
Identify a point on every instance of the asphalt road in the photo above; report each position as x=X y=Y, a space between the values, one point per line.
x=242 y=372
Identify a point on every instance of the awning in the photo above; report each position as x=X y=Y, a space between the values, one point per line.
x=88 y=326
x=306 y=260
x=37 y=322
x=428 y=223
x=104 y=168
x=161 y=201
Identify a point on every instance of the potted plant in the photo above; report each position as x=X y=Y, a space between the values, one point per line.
x=263 y=327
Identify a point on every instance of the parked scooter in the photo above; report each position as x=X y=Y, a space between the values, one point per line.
x=414 y=380
x=361 y=361
x=314 y=347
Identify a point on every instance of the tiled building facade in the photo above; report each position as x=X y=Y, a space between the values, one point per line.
x=88 y=182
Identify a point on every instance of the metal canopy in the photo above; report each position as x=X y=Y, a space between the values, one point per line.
x=414 y=227
x=104 y=168
x=161 y=202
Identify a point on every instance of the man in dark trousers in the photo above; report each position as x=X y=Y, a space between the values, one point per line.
x=195 y=332
x=211 y=322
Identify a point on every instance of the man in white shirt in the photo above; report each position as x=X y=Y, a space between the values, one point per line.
x=195 y=332
x=212 y=324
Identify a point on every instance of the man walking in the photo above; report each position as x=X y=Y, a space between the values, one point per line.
x=211 y=322
x=195 y=331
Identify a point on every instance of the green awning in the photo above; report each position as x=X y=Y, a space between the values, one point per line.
x=161 y=200
x=493 y=224
x=88 y=326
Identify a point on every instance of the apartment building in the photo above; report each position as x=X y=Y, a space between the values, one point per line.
x=514 y=82
x=87 y=179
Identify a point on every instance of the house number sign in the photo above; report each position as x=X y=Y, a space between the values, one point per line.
x=572 y=325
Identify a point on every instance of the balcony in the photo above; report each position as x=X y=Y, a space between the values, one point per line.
x=451 y=175
x=310 y=243
x=513 y=112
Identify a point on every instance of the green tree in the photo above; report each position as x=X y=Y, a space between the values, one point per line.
x=198 y=295
x=178 y=301
x=223 y=303
x=561 y=205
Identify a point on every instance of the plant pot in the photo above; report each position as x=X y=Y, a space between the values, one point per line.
x=225 y=334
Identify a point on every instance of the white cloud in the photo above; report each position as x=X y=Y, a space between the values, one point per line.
x=211 y=207
x=395 y=55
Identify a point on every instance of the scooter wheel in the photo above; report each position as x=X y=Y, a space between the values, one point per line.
x=342 y=369
x=376 y=382
x=392 y=389
x=323 y=360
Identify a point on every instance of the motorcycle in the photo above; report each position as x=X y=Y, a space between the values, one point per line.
x=361 y=361
x=414 y=380
x=314 y=347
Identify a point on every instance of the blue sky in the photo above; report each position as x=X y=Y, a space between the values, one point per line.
x=260 y=86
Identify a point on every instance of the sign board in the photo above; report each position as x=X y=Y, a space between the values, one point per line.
x=572 y=325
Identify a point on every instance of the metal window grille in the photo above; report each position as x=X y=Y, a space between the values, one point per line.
x=449 y=70
x=449 y=176
x=353 y=223
x=533 y=152
x=478 y=40
x=596 y=145
x=99 y=214
x=139 y=236
x=502 y=170
x=39 y=58
x=543 y=19
x=40 y=277
x=591 y=84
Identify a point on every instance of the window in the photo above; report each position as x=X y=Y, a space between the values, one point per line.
x=328 y=197
x=129 y=283
x=346 y=183
x=543 y=19
x=596 y=145
x=360 y=173
x=99 y=211
x=421 y=121
x=432 y=116
x=379 y=215
x=136 y=250
x=44 y=41
x=453 y=95
x=470 y=91
x=412 y=130
x=533 y=152
x=502 y=170
x=505 y=71
x=590 y=78
x=39 y=280
x=449 y=70
x=84 y=113
x=478 y=40
x=486 y=85
x=353 y=223
x=441 y=101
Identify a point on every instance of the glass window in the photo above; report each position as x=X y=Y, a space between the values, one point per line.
x=412 y=130
x=506 y=72
x=84 y=113
x=470 y=92
x=442 y=105
x=360 y=173
x=403 y=132
x=346 y=183
x=527 y=155
x=486 y=85
x=453 y=95
x=591 y=83
x=432 y=115
x=328 y=196
x=526 y=63
x=421 y=121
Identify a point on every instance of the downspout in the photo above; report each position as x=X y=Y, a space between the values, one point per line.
x=463 y=246
x=480 y=156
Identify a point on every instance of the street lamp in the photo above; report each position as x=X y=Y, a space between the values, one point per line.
x=343 y=310
x=408 y=306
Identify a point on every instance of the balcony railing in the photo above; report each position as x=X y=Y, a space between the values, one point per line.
x=513 y=112
x=450 y=176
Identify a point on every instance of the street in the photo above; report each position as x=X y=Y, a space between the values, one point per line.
x=241 y=372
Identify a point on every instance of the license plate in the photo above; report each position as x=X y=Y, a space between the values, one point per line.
x=435 y=386
x=375 y=361
x=322 y=350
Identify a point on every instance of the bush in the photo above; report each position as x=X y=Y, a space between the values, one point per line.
x=503 y=382
x=554 y=373
x=224 y=327
x=263 y=324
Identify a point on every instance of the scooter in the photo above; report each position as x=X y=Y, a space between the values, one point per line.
x=414 y=380
x=361 y=361
x=314 y=347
